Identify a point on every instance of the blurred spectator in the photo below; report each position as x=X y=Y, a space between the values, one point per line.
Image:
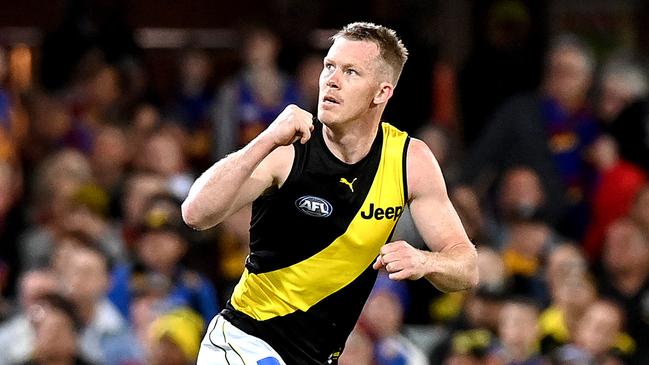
x=470 y=347
x=468 y=208
x=249 y=102
x=623 y=108
x=84 y=213
x=159 y=251
x=147 y=304
x=524 y=252
x=474 y=330
x=493 y=275
x=506 y=59
x=548 y=132
x=482 y=307
x=87 y=214
x=617 y=185
x=563 y=260
x=162 y=154
x=233 y=247
x=57 y=179
x=622 y=82
x=595 y=337
x=518 y=335
x=572 y=291
x=447 y=308
x=626 y=278
x=109 y=159
x=382 y=318
x=139 y=188
x=96 y=97
x=191 y=106
x=56 y=326
x=105 y=336
x=440 y=143
x=52 y=127
x=176 y=337
x=145 y=121
x=17 y=335
x=194 y=95
x=520 y=195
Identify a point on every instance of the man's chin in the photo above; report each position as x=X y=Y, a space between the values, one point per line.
x=325 y=116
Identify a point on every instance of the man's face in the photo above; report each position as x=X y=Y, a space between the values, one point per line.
x=625 y=249
x=518 y=328
x=85 y=275
x=350 y=80
x=598 y=328
x=568 y=76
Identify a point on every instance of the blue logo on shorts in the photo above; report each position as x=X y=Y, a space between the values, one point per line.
x=268 y=361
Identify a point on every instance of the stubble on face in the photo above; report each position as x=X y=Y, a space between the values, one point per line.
x=353 y=94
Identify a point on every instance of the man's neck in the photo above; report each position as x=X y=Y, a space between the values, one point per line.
x=351 y=141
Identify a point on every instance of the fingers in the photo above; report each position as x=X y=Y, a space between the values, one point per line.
x=378 y=264
x=396 y=270
x=400 y=275
x=305 y=132
x=293 y=124
x=401 y=261
x=393 y=247
x=304 y=125
x=390 y=262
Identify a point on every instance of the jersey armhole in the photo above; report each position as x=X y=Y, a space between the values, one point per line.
x=299 y=152
x=404 y=168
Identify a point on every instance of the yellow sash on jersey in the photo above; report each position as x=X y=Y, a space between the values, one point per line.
x=302 y=285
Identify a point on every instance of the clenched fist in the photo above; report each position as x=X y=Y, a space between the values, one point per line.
x=292 y=124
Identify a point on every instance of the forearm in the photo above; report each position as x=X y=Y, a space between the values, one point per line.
x=214 y=194
x=453 y=268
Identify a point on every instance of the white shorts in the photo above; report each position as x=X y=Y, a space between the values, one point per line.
x=225 y=344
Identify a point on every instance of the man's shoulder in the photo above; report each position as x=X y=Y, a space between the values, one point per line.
x=419 y=150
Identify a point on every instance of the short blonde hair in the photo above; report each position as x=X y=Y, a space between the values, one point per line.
x=391 y=48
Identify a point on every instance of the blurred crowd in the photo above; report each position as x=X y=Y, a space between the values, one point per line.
x=549 y=177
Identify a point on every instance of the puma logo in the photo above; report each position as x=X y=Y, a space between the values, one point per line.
x=350 y=184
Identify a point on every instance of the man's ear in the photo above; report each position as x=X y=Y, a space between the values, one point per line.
x=384 y=94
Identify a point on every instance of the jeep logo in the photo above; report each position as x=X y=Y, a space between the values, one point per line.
x=314 y=206
x=379 y=213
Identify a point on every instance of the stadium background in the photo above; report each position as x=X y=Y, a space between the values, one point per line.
x=109 y=109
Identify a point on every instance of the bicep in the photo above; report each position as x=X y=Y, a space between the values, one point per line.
x=432 y=211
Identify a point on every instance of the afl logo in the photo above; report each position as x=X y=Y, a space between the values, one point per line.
x=314 y=206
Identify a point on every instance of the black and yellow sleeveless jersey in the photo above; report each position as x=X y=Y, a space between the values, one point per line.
x=312 y=246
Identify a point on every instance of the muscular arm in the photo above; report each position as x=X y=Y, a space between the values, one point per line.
x=451 y=265
x=241 y=177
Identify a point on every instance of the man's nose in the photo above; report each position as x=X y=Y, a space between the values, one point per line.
x=332 y=80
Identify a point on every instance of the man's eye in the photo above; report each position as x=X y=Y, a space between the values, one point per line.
x=350 y=71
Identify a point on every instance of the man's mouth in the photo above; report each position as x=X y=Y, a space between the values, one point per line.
x=330 y=100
